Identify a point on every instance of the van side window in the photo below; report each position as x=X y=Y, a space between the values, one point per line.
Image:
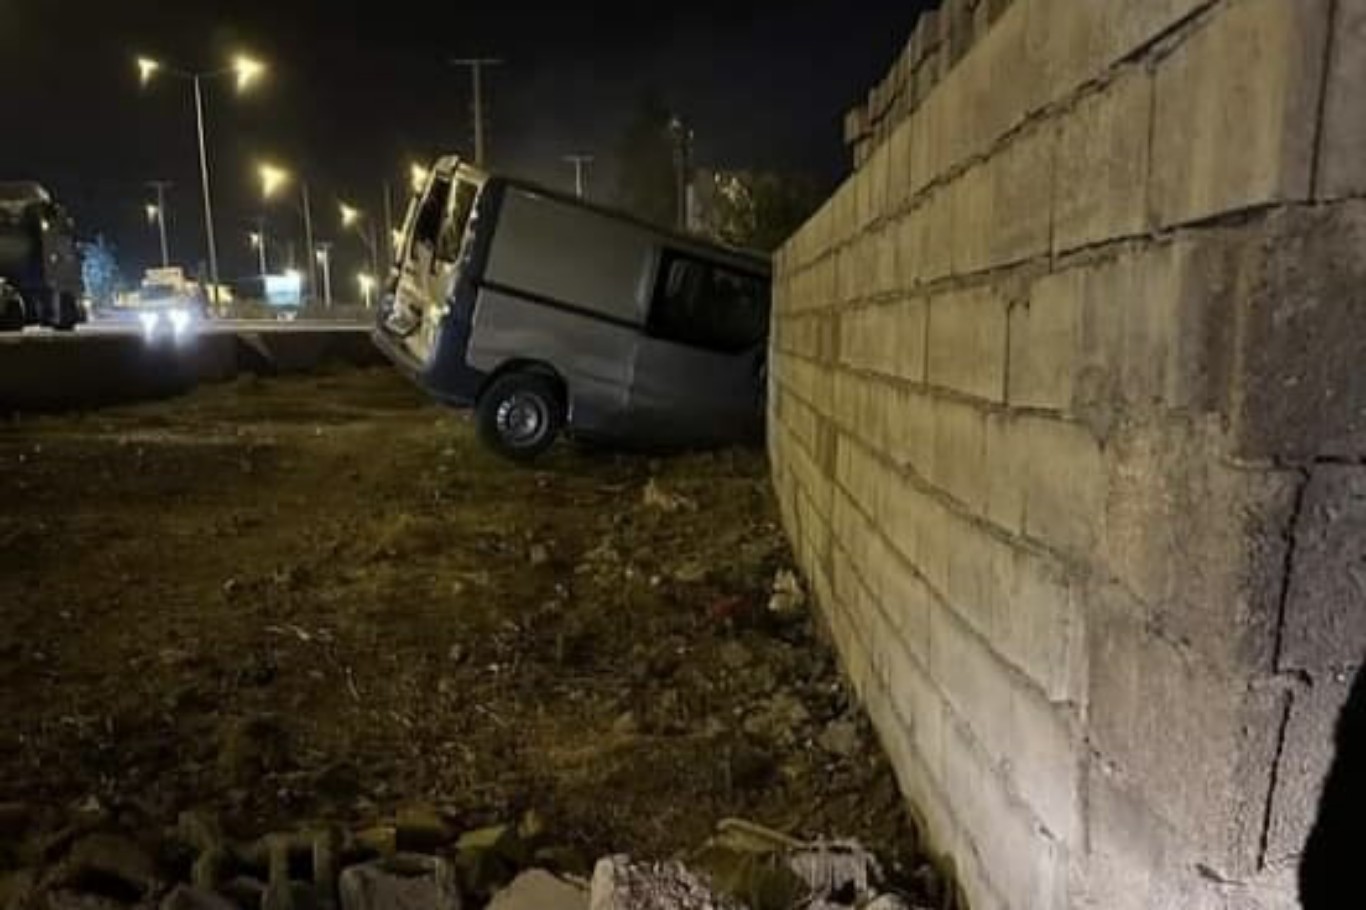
x=707 y=305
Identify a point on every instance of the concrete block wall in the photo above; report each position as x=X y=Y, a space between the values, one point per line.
x=1068 y=427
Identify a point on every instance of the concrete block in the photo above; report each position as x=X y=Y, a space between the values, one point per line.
x=926 y=240
x=959 y=462
x=1342 y=166
x=1013 y=857
x=899 y=165
x=1102 y=182
x=1065 y=481
x=1022 y=197
x=967 y=343
x=1300 y=392
x=1135 y=860
x=1196 y=744
x=1125 y=335
x=1310 y=745
x=1080 y=41
x=1026 y=741
x=1325 y=612
x=1236 y=110
x=885 y=338
x=973 y=217
x=1005 y=482
x=1040 y=627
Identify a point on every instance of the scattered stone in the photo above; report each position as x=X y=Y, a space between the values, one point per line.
x=187 y=898
x=539 y=890
x=788 y=596
x=690 y=573
x=382 y=839
x=620 y=884
x=626 y=724
x=841 y=738
x=779 y=719
x=563 y=861
x=400 y=882
x=108 y=865
x=488 y=858
x=456 y=654
x=421 y=829
x=838 y=870
x=539 y=555
x=63 y=899
x=736 y=655
x=656 y=497
x=892 y=902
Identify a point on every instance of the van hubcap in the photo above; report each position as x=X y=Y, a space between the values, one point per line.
x=522 y=419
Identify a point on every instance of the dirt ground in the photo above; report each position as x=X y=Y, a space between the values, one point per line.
x=303 y=601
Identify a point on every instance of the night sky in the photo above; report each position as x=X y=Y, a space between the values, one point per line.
x=358 y=90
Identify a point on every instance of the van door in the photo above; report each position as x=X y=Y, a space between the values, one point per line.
x=421 y=281
x=699 y=368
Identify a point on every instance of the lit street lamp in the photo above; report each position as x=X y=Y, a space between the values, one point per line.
x=273 y=179
x=367 y=288
x=246 y=71
x=258 y=243
x=354 y=218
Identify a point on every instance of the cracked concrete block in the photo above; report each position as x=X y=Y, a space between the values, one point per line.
x=1102 y=181
x=1325 y=611
x=1342 y=168
x=1236 y=111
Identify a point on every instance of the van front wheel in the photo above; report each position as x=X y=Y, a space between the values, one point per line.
x=520 y=415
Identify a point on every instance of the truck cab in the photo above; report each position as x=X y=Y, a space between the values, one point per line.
x=38 y=257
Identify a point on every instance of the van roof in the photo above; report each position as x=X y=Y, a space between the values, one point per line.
x=750 y=259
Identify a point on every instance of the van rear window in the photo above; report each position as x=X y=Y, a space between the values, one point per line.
x=708 y=305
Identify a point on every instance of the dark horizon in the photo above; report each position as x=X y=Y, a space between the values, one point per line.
x=349 y=101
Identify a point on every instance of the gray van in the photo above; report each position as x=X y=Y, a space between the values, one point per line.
x=545 y=313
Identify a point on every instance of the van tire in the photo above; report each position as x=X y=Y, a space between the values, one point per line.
x=520 y=415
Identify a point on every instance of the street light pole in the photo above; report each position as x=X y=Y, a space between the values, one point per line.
x=208 y=197
x=388 y=228
x=581 y=164
x=160 y=187
x=476 y=65
x=324 y=257
x=308 y=237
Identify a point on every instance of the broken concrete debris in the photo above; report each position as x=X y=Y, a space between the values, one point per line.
x=539 y=890
x=400 y=882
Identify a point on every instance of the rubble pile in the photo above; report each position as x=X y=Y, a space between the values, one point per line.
x=416 y=860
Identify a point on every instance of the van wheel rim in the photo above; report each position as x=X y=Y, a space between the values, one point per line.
x=522 y=419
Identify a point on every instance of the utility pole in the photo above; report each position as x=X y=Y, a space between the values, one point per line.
x=476 y=65
x=581 y=165
x=683 y=142
x=388 y=227
x=259 y=241
x=160 y=187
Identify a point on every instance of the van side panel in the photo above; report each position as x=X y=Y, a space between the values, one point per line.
x=593 y=356
x=548 y=249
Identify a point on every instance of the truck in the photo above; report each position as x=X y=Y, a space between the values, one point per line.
x=39 y=263
x=547 y=314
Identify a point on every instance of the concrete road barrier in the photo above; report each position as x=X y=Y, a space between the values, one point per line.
x=51 y=372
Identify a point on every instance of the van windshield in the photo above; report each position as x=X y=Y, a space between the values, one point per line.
x=453 y=233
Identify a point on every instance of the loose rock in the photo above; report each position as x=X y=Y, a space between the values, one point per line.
x=187 y=898
x=539 y=890
x=400 y=882
x=108 y=865
x=620 y=884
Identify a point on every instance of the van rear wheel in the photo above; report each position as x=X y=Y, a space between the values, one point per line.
x=520 y=415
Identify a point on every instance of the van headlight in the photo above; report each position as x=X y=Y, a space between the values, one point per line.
x=149 y=322
x=180 y=320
